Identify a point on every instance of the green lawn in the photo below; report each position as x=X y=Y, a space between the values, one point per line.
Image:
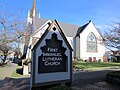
x=18 y=72
x=15 y=74
x=90 y=65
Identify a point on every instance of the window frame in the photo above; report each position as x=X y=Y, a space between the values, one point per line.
x=91 y=45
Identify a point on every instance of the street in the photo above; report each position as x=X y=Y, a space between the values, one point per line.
x=83 y=77
x=94 y=80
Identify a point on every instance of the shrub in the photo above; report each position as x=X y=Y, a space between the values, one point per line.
x=86 y=60
x=114 y=77
x=99 y=60
x=81 y=60
x=114 y=73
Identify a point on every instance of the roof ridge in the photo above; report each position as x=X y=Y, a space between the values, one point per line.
x=80 y=29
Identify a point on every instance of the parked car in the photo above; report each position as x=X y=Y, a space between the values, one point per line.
x=6 y=61
x=1 y=60
x=11 y=59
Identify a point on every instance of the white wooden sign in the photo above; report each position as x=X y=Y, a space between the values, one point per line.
x=51 y=58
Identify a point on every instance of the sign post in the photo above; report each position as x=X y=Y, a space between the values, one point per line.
x=51 y=59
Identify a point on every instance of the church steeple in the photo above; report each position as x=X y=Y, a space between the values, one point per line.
x=33 y=15
x=33 y=12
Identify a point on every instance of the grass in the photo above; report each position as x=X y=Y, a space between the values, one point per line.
x=91 y=65
x=15 y=72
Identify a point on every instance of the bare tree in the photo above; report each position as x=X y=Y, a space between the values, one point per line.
x=12 y=28
x=112 y=36
x=5 y=49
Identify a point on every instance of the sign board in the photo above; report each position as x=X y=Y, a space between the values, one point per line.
x=51 y=58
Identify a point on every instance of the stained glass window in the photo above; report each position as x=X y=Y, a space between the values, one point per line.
x=91 y=43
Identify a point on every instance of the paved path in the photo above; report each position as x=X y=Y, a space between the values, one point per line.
x=92 y=76
x=88 y=77
x=7 y=71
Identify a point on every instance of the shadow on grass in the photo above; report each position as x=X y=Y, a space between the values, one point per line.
x=19 y=71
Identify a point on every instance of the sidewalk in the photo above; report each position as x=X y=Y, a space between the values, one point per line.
x=7 y=70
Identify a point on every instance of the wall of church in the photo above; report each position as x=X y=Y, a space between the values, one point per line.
x=77 y=48
x=33 y=40
x=84 y=54
x=72 y=43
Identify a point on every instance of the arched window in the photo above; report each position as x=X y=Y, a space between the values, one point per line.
x=91 y=43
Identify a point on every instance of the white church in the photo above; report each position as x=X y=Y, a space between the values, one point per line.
x=86 y=41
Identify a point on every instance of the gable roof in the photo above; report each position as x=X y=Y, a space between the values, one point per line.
x=81 y=29
x=59 y=29
x=40 y=22
x=70 y=30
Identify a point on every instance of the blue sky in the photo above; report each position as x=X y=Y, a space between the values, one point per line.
x=79 y=12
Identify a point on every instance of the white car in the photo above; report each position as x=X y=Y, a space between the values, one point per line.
x=1 y=60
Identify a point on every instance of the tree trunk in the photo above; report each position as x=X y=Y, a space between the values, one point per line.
x=5 y=56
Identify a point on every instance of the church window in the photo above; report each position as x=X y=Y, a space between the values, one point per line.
x=91 y=43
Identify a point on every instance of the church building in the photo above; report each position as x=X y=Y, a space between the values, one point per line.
x=86 y=41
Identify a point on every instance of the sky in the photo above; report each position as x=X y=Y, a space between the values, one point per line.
x=78 y=12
